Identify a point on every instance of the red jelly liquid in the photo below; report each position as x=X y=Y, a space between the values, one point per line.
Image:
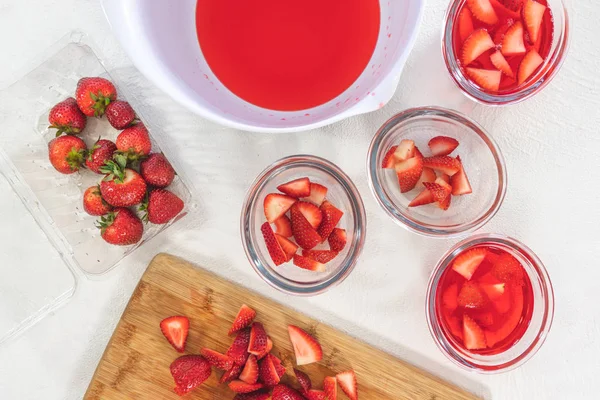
x=507 y=17
x=287 y=55
x=505 y=312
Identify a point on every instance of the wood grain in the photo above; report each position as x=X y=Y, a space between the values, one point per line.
x=135 y=364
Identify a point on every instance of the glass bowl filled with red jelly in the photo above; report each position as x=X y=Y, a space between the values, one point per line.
x=504 y=51
x=490 y=303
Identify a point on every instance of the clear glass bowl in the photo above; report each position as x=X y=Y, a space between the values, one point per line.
x=551 y=65
x=481 y=158
x=342 y=193
x=541 y=318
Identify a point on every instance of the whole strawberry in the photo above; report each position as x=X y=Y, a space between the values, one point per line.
x=94 y=94
x=93 y=203
x=121 y=187
x=120 y=114
x=157 y=170
x=134 y=142
x=100 y=153
x=121 y=227
x=67 y=118
x=67 y=153
x=161 y=206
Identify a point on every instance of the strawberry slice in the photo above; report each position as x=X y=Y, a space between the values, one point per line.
x=503 y=303
x=425 y=197
x=484 y=319
x=250 y=372
x=306 y=348
x=529 y=65
x=308 y=263
x=273 y=247
x=303 y=380
x=508 y=269
x=238 y=351
x=216 y=359
x=449 y=297
x=284 y=392
x=476 y=44
x=483 y=11
x=455 y=326
x=176 y=331
x=258 y=339
x=267 y=372
x=473 y=335
x=442 y=145
x=405 y=150
x=440 y=190
x=442 y=181
x=467 y=262
x=504 y=12
x=459 y=181
x=296 y=188
x=533 y=14
x=306 y=236
x=409 y=172
x=501 y=31
x=514 y=5
x=501 y=64
x=493 y=290
x=487 y=79
x=511 y=321
x=288 y=247
x=428 y=175
x=321 y=256
x=283 y=226
x=347 y=381
x=258 y=395
x=465 y=24
x=471 y=296
x=314 y=394
x=331 y=217
x=231 y=374
x=513 y=44
x=445 y=164
x=276 y=205
x=311 y=212
x=330 y=387
x=243 y=319
x=445 y=178
x=337 y=239
x=389 y=161
x=188 y=372
x=267 y=349
x=243 y=387
x=277 y=363
x=317 y=193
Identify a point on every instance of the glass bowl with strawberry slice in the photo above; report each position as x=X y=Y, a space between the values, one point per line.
x=436 y=172
x=303 y=225
x=504 y=51
x=490 y=303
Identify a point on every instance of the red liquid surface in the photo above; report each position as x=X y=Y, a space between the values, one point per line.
x=505 y=19
x=503 y=320
x=287 y=55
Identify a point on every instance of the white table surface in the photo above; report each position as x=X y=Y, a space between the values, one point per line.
x=551 y=148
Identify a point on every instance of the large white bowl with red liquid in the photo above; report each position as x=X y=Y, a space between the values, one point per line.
x=161 y=40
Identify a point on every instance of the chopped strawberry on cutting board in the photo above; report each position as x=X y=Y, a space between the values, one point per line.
x=307 y=348
x=189 y=372
x=216 y=359
x=303 y=380
x=258 y=339
x=250 y=372
x=284 y=392
x=176 y=331
x=330 y=387
x=239 y=386
x=267 y=372
x=348 y=383
x=243 y=319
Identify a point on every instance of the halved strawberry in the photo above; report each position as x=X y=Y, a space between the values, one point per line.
x=314 y=394
x=337 y=239
x=276 y=205
x=500 y=62
x=243 y=387
x=267 y=349
x=308 y=263
x=176 y=331
x=306 y=347
x=284 y=392
x=409 y=172
x=330 y=387
x=474 y=338
x=238 y=351
x=446 y=164
x=303 y=380
x=389 y=161
x=483 y=11
x=493 y=290
x=273 y=247
x=347 y=381
x=508 y=269
x=317 y=193
x=311 y=212
x=513 y=44
x=243 y=319
x=465 y=24
x=450 y=297
x=267 y=372
x=476 y=44
x=250 y=372
x=529 y=65
x=484 y=318
x=442 y=145
x=425 y=197
x=306 y=236
x=322 y=256
x=296 y=188
x=216 y=359
x=405 y=150
x=277 y=363
x=511 y=321
x=459 y=181
x=533 y=14
x=487 y=79
x=467 y=262
x=471 y=296
x=231 y=374
x=428 y=175
x=283 y=226
x=288 y=247
x=331 y=217
x=440 y=190
x=188 y=372
x=258 y=339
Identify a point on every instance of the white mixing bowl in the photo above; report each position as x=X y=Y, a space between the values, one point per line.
x=160 y=37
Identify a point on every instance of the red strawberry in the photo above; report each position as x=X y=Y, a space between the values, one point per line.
x=121 y=187
x=162 y=206
x=273 y=247
x=388 y=160
x=232 y=373
x=288 y=247
x=337 y=239
x=238 y=351
x=306 y=236
x=157 y=170
x=121 y=227
x=501 y=31
x=94 y=94
x=317 y=193
x=428 y=175
x=134 y=142
x=442 y=145
x=487 y=79
x=511 y=321
x=189 y=372
x=258 y=395
x=93 y=203
x=445 y=178
x=296 y=188
x=283 y=226
x=474 y=337
x=465 y=24
x=484 y=319
x=445 y=164
x=476 y=44
x=500 y=62
x=483 y=11
x=493 y=290
x=438 y=190
x=455 y=326
x=284 y=392
x=330 y=387
x=425 y=197
x=513 y=44
x=303 y=380
x=267 y=349
x=67 y=118
x=460 y=182
x=502 y=11
x=314 y=394
x=529 y=65
x=277 y=362
x=311 y=212
x=243 y=319
x=216 y=359
x=258 y=339
x=267 y=372
x=243 y=387
x=120 y=114
x=442 y=182
x=405 y=150
x=471 y=296
x=409 y=172
x=321 y=256
x=306 y=348
x=508 y=269
x=331 y=217
x=467 y=262
x=67 y=153
x=514 y=5
x=176 y=331
x=533 y=14
x=449 y=297
x=308 y=263
x=347 y=381
x=250 y=372
x=445 y=204
x=100 y=153
x=276 y=205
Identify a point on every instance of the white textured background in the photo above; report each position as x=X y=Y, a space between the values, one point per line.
x=551 y=147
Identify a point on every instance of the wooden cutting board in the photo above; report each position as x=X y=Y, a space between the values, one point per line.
x=135 y=364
